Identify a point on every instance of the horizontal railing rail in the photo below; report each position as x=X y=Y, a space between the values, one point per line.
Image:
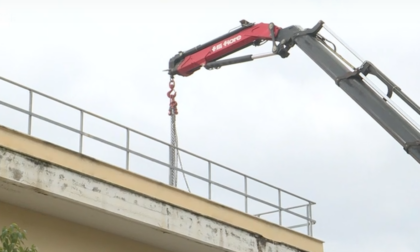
x=278 y=208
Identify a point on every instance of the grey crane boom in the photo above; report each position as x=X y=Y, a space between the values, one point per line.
x=353 y=84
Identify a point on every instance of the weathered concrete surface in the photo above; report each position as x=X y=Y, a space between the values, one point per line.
x=84 y=190
x=53 y=180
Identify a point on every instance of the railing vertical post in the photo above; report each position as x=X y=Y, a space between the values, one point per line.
x=127 y=157
x=81 y=131
x=30 y=112
x=309 y=216
x=209 y=171
x=246 y=193
x=280 y=219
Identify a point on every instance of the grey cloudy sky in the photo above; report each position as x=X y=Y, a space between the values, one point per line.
x=283 y=121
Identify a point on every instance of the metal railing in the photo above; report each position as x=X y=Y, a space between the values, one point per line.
x=277 y=207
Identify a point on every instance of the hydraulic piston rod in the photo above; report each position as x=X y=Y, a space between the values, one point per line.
x=218 y=64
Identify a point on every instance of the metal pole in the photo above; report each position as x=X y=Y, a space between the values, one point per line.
x=280 y=219
x=127 y=152
x=81 y=132
x=209 y=171
x=30 y=112
x=246 y=193
x=309 y=216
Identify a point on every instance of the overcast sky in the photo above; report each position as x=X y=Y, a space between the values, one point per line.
x=283 y=121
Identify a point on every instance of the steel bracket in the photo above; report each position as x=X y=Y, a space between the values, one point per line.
x=408 y=145
x=348 y=75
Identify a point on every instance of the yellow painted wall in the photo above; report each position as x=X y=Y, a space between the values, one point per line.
x=51 y=234
x=46 y=151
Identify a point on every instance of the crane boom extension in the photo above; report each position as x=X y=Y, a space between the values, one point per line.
x=352 y=82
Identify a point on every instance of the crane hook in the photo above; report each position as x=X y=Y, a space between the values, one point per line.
x=171 y=95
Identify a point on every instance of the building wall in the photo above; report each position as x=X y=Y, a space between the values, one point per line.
x=51 y=234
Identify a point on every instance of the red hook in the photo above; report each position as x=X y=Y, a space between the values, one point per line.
x=172 y=103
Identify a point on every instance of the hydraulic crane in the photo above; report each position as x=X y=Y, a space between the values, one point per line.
x=352 y=80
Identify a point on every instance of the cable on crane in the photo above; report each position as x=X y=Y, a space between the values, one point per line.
x=174 y=156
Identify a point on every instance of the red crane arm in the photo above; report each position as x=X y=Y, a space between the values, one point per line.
x=186 y=63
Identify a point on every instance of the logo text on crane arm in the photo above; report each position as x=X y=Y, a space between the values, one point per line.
x=225 y=43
